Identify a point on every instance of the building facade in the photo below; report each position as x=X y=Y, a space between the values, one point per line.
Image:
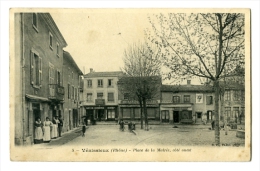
x=72 y=86
x=186 y=103
x=100 y=95
x=39 y=57
x=233 y=103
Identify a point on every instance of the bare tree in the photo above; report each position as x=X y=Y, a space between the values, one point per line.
x=142 y=67
x=202 y=45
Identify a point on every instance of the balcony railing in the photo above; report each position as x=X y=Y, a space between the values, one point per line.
x=56 y=92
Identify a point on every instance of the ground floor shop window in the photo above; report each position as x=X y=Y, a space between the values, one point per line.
x=110 y=113
x=165 y=115
x=137 y=113
x=126 y=113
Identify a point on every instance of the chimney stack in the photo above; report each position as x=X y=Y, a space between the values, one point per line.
x=91 y=70
x=188 y=82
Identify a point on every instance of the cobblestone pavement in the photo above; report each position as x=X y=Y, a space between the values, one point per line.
x=184 y=135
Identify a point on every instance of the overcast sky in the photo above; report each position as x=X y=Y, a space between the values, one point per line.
x=97 y=39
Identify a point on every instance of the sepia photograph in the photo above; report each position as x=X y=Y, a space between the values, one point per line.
x=130 y=84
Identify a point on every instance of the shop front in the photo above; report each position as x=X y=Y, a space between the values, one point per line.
x=104 y=113
x=181 y=113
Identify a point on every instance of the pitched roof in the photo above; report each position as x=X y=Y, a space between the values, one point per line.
x=232 y=85
x=187 y=88
x=104 y=74
x=67 y=56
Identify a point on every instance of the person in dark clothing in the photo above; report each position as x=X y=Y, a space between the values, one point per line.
x=213 y=125
x=60 y=125
x=83 y=129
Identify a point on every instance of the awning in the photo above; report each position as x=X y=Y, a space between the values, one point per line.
x=36 y=98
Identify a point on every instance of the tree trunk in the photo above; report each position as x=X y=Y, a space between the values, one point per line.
x=145 y=115
x=141 y=108
x=217 y=93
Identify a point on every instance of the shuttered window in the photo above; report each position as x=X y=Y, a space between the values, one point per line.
x=36 y=69
x=209 y=100
x=110 y=97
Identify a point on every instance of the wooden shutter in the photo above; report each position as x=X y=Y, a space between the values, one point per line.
x=40 y=70
x=32 y=68
x=57 y=77
x=208 y=100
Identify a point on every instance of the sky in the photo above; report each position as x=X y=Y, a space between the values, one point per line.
x=97 y=39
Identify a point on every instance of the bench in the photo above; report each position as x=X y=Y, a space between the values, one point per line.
x=240 y=134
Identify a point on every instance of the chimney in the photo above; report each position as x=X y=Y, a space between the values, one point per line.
x=91 y=70
x=188 y=82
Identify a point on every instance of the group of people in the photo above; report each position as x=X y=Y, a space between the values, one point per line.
x=47 y=130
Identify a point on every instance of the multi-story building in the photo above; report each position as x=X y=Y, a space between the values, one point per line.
x=72 y=86
x=129 y=106
x=38 y=60
x=233 y=102
x=186 y=103
x=100 y=95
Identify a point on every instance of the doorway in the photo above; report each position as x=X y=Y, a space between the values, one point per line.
x=100 y=114
x=75 y=118
x=209 y=115
x=176 y=118
x=69 y=119
x=36 y=115
x=198 y=116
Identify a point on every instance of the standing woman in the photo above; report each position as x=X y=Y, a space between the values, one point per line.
x=47 y=130
x=38 y=131
x=54 y=131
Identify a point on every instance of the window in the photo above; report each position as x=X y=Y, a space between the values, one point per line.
x=50 y=40
x=100 y=83
x=186 y=98
x=235 y=112
x=72 y=75
x=35 y=21
x=209 y=100
x=89 y=97
x=89 y=83
x=68 y=91
x=227 y=95
x=110 y=82
x=58 y=52
x=51 y=80
x=236 y=95
x=110 y=97
x=228 y=112
x=72 y=92
x=99 y=95
x=126 y=96
x=75 y=93
x=59 y=78
x=243 y=96
x=36 y=69
x=176 y=99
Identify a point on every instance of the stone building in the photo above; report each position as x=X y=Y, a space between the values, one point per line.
x=38 y=62
x=186 y=103
x=72 y=86
x=100 y=95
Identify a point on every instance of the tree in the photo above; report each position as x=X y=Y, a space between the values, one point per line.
x=202 y=45
x=142 y=67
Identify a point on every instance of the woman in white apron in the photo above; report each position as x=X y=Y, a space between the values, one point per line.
x=47 y=124
x=54 y=131
x=38 y=138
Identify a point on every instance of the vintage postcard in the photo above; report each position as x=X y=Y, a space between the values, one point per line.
x=130 y=85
